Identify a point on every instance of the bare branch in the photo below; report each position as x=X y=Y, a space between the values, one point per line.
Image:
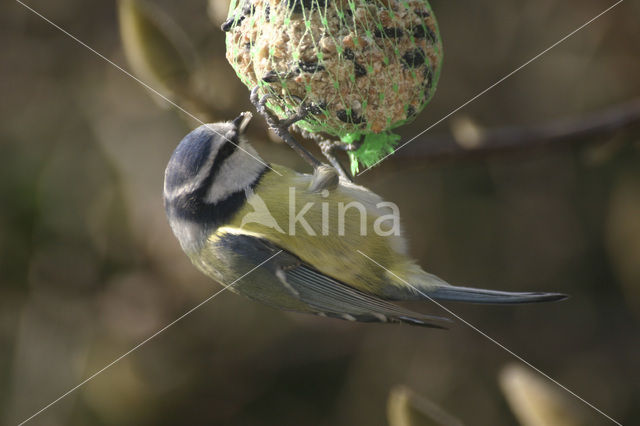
x=515 y=138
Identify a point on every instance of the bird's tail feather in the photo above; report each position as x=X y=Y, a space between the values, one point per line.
x=479 y=295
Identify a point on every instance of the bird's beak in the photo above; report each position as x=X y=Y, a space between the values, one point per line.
x=242 y=121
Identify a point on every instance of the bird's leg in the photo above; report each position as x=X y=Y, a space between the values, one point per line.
x=281 y=127
x=324 y=177
x=328 y=148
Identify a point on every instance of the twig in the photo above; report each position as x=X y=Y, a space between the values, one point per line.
x=515 y=138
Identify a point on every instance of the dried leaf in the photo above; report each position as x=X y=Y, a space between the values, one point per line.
x=537 y=402
x=407 y=408
x=156 y=48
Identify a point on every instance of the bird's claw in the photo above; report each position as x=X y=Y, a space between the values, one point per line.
x=281 y=126
x=274 y=121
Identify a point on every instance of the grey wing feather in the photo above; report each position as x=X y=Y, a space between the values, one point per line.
x=336 y=299
x=288 y=283
x=481 y=295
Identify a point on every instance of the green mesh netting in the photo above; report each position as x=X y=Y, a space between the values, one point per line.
x=364 y=66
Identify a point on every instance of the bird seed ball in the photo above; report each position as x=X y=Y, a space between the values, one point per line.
x=362 y=66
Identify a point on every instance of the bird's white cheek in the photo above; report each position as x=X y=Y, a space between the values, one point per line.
x=238 y=172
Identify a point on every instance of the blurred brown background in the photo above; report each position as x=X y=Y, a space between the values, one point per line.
x=89 y=267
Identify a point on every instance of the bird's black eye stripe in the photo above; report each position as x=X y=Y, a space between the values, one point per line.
x=225 y=151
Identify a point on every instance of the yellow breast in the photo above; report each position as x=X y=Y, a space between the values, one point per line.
x=327 y=229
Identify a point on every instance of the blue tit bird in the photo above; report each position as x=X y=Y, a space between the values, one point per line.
x=231 y=212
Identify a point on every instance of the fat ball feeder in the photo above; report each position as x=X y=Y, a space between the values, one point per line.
x=343 y=72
